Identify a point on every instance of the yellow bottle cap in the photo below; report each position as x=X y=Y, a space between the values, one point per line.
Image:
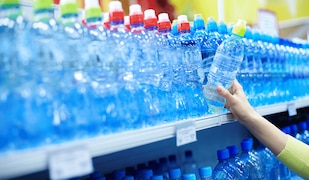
x=239 y=28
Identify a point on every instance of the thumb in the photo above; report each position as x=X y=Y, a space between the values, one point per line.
x=224 y=92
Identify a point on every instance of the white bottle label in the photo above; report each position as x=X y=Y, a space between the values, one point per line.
x=69 y=163
x=185 y=133
x=292 y=109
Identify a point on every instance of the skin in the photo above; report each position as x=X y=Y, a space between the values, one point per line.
x=261 y=128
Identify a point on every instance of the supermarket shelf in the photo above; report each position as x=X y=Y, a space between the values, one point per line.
x=14 y=164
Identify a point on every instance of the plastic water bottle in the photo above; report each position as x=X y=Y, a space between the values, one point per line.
x=172 y=162
x=237 y=163
x=157 y=177
x=188 y=176
x=49 y=59
x=189 y=164
x=163 y=167
x=200 y=35
x=224 y=169
x=191 y=57
x=212 y=42
x=224 y=68
x=72 y=109
x=256 y=168
x=174 y=174
x=174 y=74
x=151 y=21
x=205 y=173
x=270 y=161
x=284 y=171
x=16 y=73
x=103 y=91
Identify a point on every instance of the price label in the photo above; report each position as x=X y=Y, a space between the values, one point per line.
x=65 y=164
x=292 y=109
x=185 y=133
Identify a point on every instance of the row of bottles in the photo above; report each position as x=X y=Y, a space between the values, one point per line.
x=62 y=80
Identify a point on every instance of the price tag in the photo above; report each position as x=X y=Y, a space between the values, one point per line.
x=185 y=133
x=69 y=163
x=292 y=109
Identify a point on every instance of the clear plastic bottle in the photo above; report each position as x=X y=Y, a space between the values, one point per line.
x=270 y=161
x=237 y=163
x=189 y=164
x=205 y=173
x=192 y=63
x=254 y=164
x=224 y=68
x=224 y=169
x=16 y=73
x=47 y=65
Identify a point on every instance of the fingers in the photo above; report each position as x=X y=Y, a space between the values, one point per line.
x=224 y=92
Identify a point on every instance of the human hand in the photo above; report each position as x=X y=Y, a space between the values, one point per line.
x=237 y=102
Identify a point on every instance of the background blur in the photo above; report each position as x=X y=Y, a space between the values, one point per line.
x=292 y=15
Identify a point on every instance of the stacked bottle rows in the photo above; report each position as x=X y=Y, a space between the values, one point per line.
x=64 y=80
x=249 y=163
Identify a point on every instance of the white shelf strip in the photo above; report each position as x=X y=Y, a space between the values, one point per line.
x=14 y=164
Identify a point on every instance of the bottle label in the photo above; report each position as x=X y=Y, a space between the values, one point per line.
x=185 y=133
x=69 y=163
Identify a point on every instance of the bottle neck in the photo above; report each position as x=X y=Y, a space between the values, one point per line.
x=43 y=15
x=69 y=19
x=10 y=11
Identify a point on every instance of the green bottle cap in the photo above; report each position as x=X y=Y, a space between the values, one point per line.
x=9 y=2
x=42 y=4
x=70 y=8
x=94 y=12
x=239 y=28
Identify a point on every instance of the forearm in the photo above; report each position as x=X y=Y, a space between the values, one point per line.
x=266 y=132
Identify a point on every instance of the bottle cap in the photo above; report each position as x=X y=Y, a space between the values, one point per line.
x=188 y=177
x=174 y=173
x=239 y=28
x=223 y=154
x=183 y=23
x=128 y=178
x=150 y=18
x=42 y=4
x=205 y=172
x=118 y=175
x=212 y=24
x=92 y=9
x=233 y=150
x=136 y=14
x=302 y=126
x=246 y=145
x=199 y=22
x=68 y=7
x=147 y=173
x=115 y=11
x=222 y=28
x=158 y=177
x=9 y=2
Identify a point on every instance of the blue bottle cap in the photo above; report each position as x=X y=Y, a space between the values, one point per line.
x=157 y=177
x=189 y=177
x=205 y=172
x=233 y=150
x=223 y=154
x=222 y=28
x=147 y=173
x=174 y=173
x=199 y=22
x=302 y=126
x=95 y=175
x=211 y=25
x=246 y=146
